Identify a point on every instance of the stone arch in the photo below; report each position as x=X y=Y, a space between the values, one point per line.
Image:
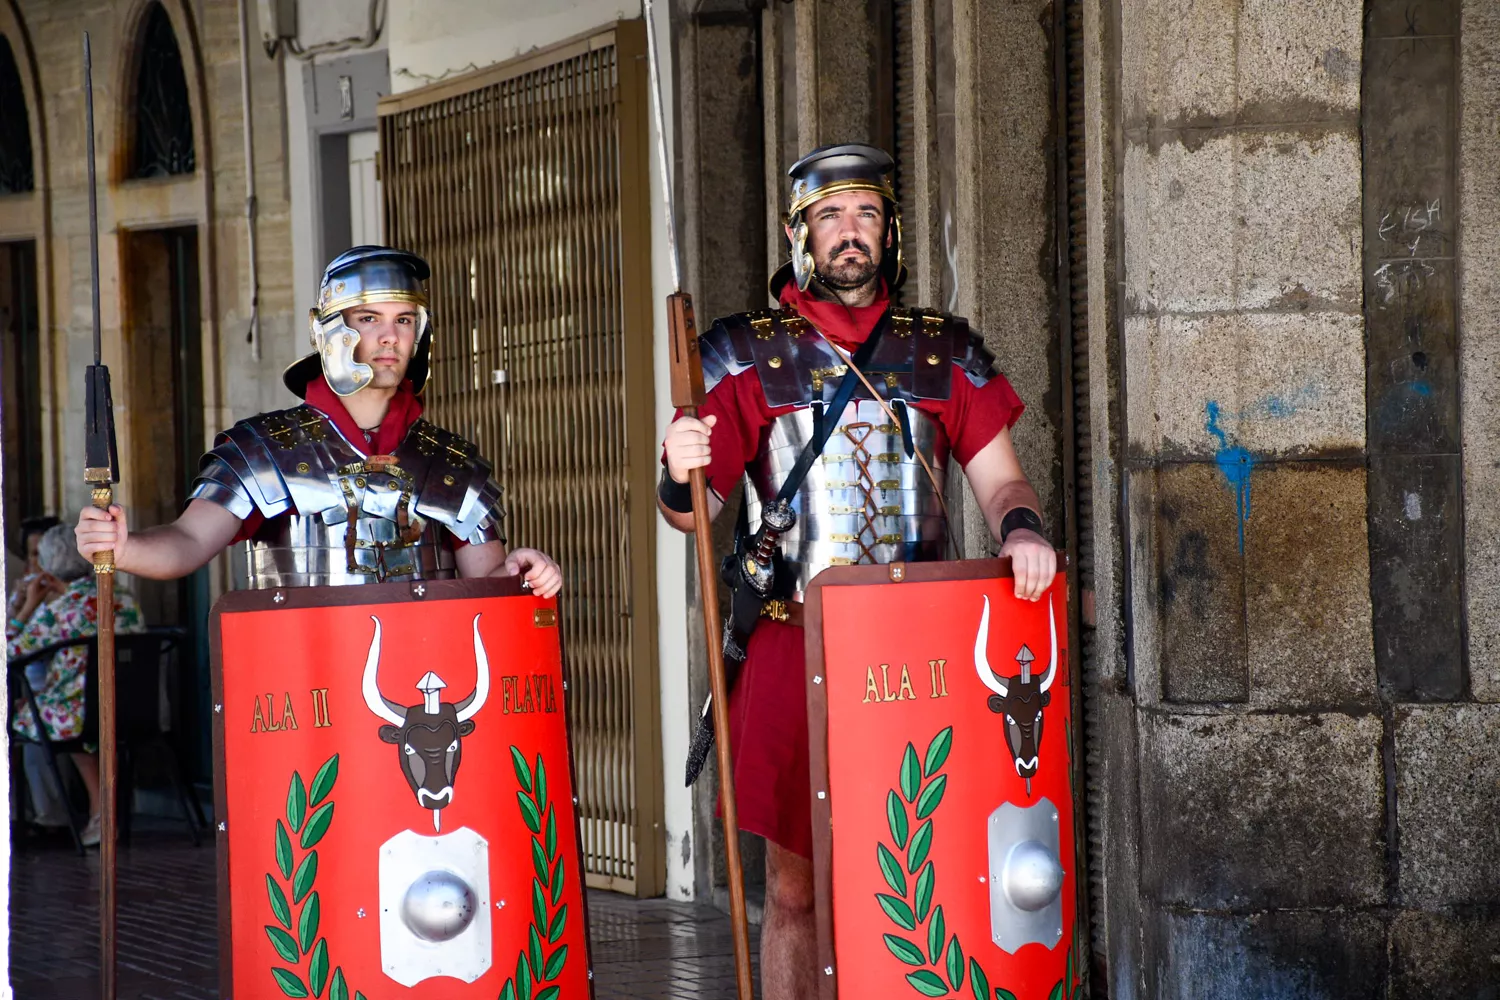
x=133 y=29
x=29 y=216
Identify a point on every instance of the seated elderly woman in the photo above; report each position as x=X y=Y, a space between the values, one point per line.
x=61 y=604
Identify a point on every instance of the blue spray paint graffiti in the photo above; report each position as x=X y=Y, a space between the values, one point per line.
x=1235 y=464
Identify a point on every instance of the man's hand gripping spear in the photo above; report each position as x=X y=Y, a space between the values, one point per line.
x=687 y=395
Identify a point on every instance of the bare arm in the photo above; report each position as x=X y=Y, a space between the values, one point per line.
x=491 y=559
x=165 y=552
x=687 y=448
x=999 y=486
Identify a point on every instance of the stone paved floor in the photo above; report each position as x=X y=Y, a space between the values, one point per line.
x=168 y=940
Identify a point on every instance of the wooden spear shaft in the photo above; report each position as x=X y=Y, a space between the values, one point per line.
x=687 y=395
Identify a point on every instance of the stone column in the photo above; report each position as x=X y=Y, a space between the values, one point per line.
x=844 y=72
x=1005 y=267
x=722 y=213
x=1262 y=791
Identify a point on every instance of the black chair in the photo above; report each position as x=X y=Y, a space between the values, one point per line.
x=140 y=661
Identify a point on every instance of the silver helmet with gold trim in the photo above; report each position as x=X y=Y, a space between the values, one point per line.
x=831 y=170
x=360 y=276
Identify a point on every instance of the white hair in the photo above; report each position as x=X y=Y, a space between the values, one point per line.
x=58 y=554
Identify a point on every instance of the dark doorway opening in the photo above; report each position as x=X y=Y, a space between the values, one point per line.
x=164 y=353
x=21 y=382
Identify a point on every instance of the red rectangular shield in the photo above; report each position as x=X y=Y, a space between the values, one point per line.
x=940 y=713
x=395 y=795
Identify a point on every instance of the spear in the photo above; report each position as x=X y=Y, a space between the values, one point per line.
x=687 y=396
x=101 y=472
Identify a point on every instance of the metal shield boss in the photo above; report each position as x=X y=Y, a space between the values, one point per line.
x=395 y=794
x=940 y=712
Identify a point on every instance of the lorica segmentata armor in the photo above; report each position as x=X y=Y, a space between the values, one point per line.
x=867 y=499
x=335 y=517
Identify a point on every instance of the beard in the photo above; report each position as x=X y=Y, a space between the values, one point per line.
x=846 y=275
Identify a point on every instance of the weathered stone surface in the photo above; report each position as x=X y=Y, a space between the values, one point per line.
x=1297 y=201
x=1114 y=765
x=1261 y=811
x=1201 y=587
x=1479 y=335
x=1416 y=550
x=1298 y=61
x=1179 y=227
x=1448 y=804
x=1307 y=594
x=1003 y=222
x=1286 y=955
x=1178 y=60
x=1277 y=384
x=1445 y=956
x=1245 y=220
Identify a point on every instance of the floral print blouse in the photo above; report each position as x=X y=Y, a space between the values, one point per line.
x=70 y=616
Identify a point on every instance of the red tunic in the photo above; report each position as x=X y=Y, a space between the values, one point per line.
x=768 y=707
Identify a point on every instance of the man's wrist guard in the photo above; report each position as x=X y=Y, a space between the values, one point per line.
x=674 y=496
x=1019 y=517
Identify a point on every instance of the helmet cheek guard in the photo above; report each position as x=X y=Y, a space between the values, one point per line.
x=335 y=344
x=803 y=267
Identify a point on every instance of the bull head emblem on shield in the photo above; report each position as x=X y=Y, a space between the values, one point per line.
x=429 y=736
x=1022 y=699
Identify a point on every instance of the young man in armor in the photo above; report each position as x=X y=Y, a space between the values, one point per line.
x=353 y=486
x=873 y=492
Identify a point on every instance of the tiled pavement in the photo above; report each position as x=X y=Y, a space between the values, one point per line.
x=168 y=940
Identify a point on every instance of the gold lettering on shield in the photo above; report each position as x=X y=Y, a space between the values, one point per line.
x=266 y=721
x=881 y=691
x=320 y=708
x=520 y=695
x=939 y=671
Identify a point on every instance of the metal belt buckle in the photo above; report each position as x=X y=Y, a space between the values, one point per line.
x=776 y=610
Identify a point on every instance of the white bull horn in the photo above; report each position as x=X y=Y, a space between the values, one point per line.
x=382 y=706
x=982 y=660
x=474 y=702
x=1051 y=674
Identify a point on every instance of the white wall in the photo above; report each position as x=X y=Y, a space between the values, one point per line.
x=435 y=39
x=317 y=23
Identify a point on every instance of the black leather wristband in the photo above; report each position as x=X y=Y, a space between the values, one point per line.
x=1019 y=517
x=674 y=496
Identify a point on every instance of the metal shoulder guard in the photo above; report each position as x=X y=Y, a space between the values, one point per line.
x=296 y=460
x=914 y=359
x=721 y=355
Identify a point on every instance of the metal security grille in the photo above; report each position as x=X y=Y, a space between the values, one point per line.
x=524 y=186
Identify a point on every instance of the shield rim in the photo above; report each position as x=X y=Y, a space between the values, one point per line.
x=295 y=598
x=817 y=722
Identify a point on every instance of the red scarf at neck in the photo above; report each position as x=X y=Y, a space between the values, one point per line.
x=404 y=410
x=847 y=326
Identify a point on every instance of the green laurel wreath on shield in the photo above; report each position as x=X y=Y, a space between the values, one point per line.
x=939 y=966
x=309 y=813
x=537 y=968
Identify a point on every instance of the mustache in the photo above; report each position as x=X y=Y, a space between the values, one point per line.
x=851 y=244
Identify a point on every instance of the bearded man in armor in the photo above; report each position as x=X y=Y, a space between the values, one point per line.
x=872 y=495
x=353 y=486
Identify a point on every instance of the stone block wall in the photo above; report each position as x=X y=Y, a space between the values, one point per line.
x=1301 y=794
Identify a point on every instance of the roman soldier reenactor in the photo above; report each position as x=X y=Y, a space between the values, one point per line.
x=841 y=412
x=352 y=486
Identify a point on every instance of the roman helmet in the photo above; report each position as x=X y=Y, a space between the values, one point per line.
x=830 y=170
x=358 y=276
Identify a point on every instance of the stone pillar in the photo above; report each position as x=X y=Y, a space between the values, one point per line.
x=722 y=213
x=1005 y=269
x=843 y=72
x=1262 y=743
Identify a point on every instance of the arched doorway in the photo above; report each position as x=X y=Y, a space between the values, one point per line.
x=162 y=308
